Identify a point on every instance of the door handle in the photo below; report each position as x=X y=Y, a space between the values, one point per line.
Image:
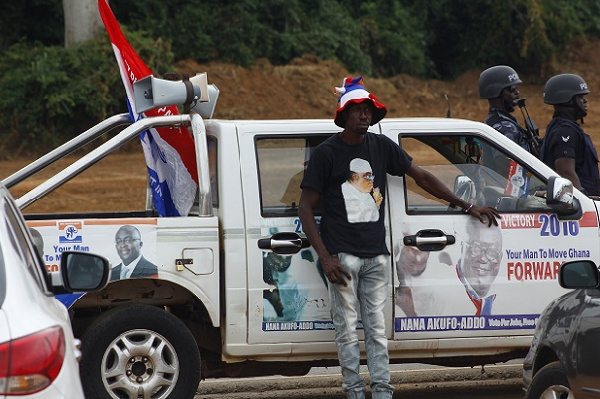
x=284 y=243
x=429 y=240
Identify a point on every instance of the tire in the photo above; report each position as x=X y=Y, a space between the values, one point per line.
x=550 y=383
x=139 y=351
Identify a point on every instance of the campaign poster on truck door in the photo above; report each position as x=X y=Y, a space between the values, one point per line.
x=493 y=281
x=129 y=244
x=296 y=298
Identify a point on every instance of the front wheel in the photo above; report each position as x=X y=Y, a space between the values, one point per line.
x=139 y=351
x=550 y=383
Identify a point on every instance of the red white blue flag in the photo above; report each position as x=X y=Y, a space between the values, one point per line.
x=517 y=184
x=169 y=152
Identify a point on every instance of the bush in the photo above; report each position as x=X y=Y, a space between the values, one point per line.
x=243 y=32
x=436 y=38
x=49 y=94
x=394 y=38
x=32 y=21
x=529 y=35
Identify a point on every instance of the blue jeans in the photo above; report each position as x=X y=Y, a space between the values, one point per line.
x=367 y=292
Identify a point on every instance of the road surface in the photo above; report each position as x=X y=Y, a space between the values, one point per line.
x=410 y=381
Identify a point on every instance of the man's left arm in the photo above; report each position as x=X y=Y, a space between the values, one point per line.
x=428 y=182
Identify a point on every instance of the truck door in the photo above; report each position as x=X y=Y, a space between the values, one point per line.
x=287 y=293
x=458 y=277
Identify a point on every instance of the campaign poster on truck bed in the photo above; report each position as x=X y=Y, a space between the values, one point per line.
x=496 y=279
x=129 y=244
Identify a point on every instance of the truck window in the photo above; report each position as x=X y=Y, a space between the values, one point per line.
x=281 y=163
x=474 y=170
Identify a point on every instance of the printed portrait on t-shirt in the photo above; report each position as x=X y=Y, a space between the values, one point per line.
x=361 y=198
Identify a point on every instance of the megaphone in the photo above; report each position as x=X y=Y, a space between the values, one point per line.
x=207 y=108
x=151 y=92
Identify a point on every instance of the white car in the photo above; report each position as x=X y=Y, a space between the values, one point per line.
x=38 y=353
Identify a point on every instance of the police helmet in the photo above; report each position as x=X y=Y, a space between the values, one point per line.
x=560 y=89
x=496 y=78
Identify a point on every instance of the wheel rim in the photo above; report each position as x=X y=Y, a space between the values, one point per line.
x=140 y=364
x=557 y=392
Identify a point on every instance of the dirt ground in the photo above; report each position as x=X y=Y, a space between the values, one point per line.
x=302 y=89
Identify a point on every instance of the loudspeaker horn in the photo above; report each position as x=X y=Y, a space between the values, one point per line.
x=151 y=92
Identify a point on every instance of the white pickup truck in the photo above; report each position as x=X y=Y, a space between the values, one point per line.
x=237 y=290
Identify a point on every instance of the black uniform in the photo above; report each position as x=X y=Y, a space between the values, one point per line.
x=566 y=139
x=507 y=124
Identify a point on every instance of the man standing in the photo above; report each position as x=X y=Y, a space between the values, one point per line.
x=128 y=242
x=498 y=85
x=353 y=253
x=566 y=147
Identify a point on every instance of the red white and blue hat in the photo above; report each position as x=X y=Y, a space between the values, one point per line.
x=353 y=91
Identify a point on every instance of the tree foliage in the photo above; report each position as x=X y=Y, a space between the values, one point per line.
x=31 y=20
x=529 y=35
x=437 y=38
x=49 y=93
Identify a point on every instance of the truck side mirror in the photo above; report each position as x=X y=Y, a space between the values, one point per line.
x=559 y=196
x=560 y=191
x=464 y=188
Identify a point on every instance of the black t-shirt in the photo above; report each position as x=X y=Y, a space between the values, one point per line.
x=352 y=182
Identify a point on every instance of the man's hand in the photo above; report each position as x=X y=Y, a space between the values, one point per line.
x=333 y=270
x=485 y=214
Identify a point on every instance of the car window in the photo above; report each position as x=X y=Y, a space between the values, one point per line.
x=281 y=163
x=24 y=248
x=476 y=171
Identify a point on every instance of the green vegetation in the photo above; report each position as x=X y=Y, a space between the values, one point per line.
x=429 y=39
x=48 y=94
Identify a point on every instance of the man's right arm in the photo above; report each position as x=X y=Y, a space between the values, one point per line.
x=566 y=168
x=309 y=200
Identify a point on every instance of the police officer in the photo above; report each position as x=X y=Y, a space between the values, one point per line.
x=498 y=85
x=566 y=148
